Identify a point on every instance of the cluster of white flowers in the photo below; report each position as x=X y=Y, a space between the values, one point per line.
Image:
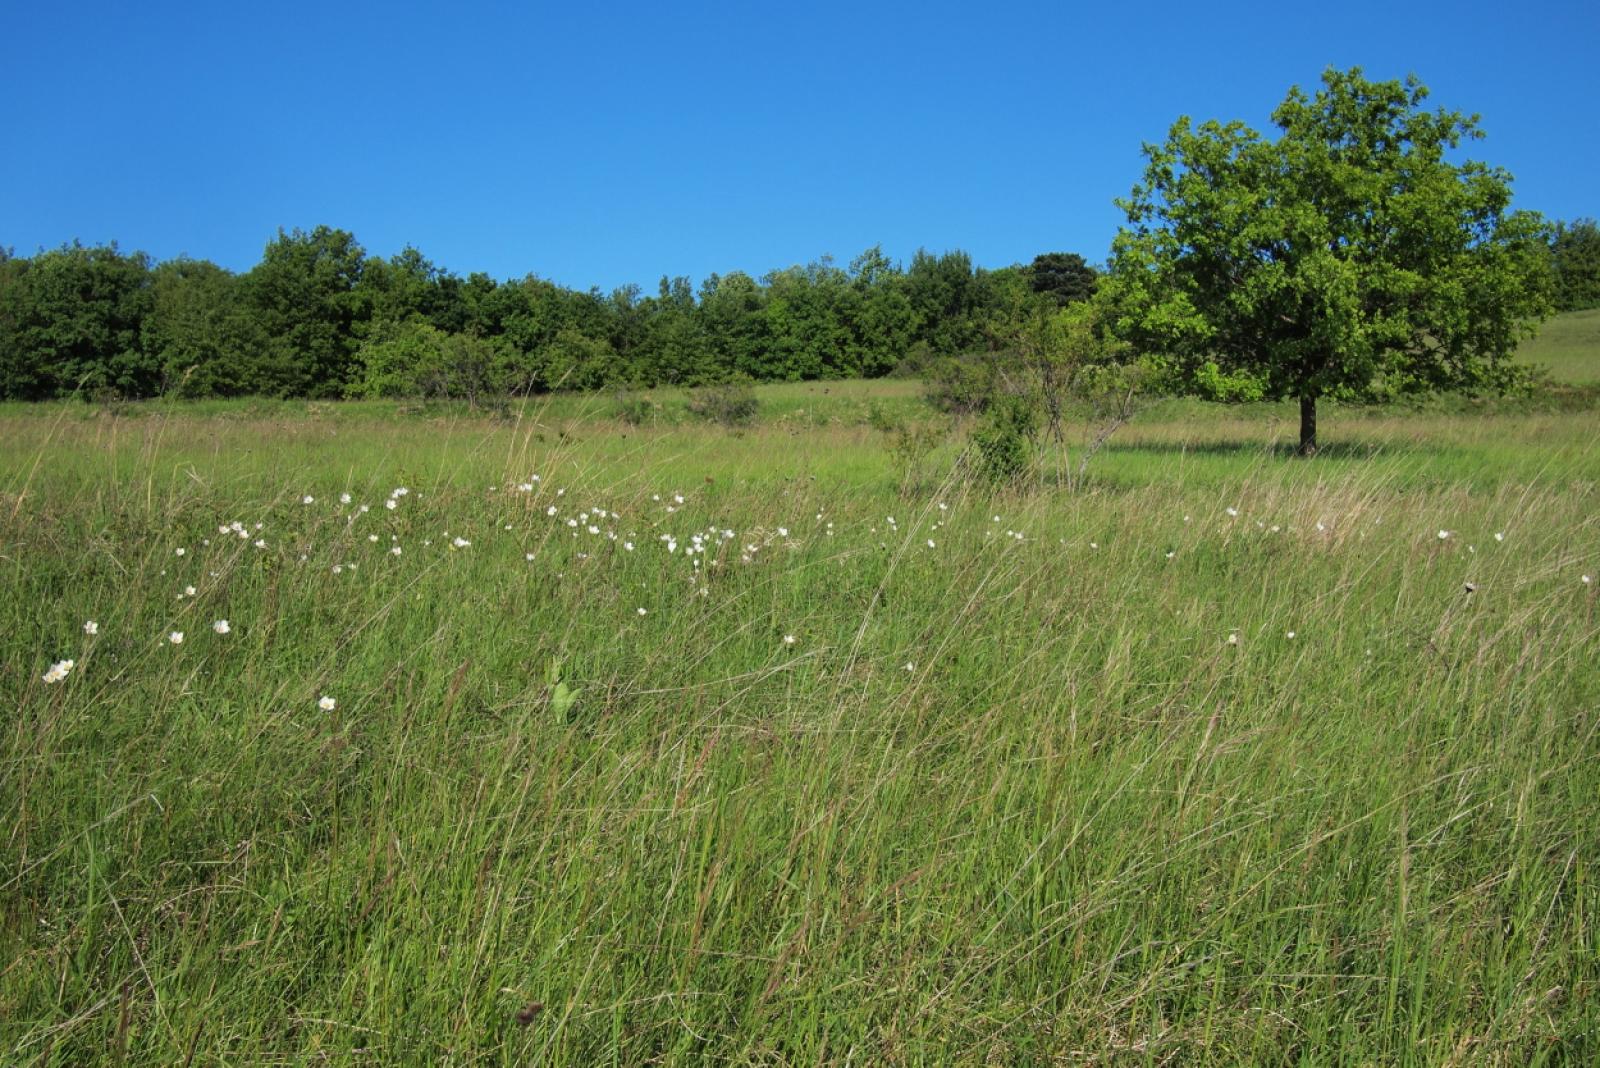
x=710 y=545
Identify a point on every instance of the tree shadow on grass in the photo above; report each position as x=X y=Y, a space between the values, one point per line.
x=1288 y=450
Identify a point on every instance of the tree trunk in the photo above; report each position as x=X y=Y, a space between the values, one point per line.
x=1308 y=426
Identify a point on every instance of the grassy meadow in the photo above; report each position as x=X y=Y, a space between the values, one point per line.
x=627 y=744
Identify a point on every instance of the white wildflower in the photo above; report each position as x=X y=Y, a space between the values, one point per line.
x=59 y=670
x=221 y=626
x=91 y=628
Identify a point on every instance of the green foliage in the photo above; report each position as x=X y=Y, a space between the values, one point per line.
x=562 y=696
x=198 y=331
x=303 y=294
x=1575 y=263
x=729 y=404
x=1005 y=437
x=400 y=360
x=71 y=319
x=962 y=385
x=1350 y=257
x=634 y=409
x=319 y=317
x=1064 y=276
x=414 y=359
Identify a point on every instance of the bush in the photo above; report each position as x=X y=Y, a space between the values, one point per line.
x=1005 y=439
x=878 y=418
x=962 y=385
x=635 y=410
x=731 y=404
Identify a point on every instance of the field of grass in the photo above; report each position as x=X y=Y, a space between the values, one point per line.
x=667 y=744
x=1569 y=347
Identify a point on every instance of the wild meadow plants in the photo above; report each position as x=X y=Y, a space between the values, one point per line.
x=351 y=738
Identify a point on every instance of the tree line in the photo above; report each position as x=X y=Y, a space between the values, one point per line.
x=320 y=317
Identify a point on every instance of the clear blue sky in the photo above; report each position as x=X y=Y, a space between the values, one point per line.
x=613 y=143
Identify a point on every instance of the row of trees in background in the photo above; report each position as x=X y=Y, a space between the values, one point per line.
x=1575 y=265
x=319 y=317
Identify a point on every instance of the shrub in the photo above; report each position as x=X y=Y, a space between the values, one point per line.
x=634 y=409
x=878 y=418
x=962 y=385
x=1005 y=438
x=730 y=404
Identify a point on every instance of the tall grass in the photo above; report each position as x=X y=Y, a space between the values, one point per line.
x=1078 y=796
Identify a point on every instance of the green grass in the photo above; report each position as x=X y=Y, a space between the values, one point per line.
x=1001 y=801
x=1569 y=346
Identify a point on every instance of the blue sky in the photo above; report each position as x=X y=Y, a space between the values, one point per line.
x=603 y=144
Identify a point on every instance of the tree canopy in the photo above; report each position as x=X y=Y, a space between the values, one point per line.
x=1350 y=257
x=1575 y=258
x=321 y=317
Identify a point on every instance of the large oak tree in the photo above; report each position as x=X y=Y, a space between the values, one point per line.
x=1354 y=256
